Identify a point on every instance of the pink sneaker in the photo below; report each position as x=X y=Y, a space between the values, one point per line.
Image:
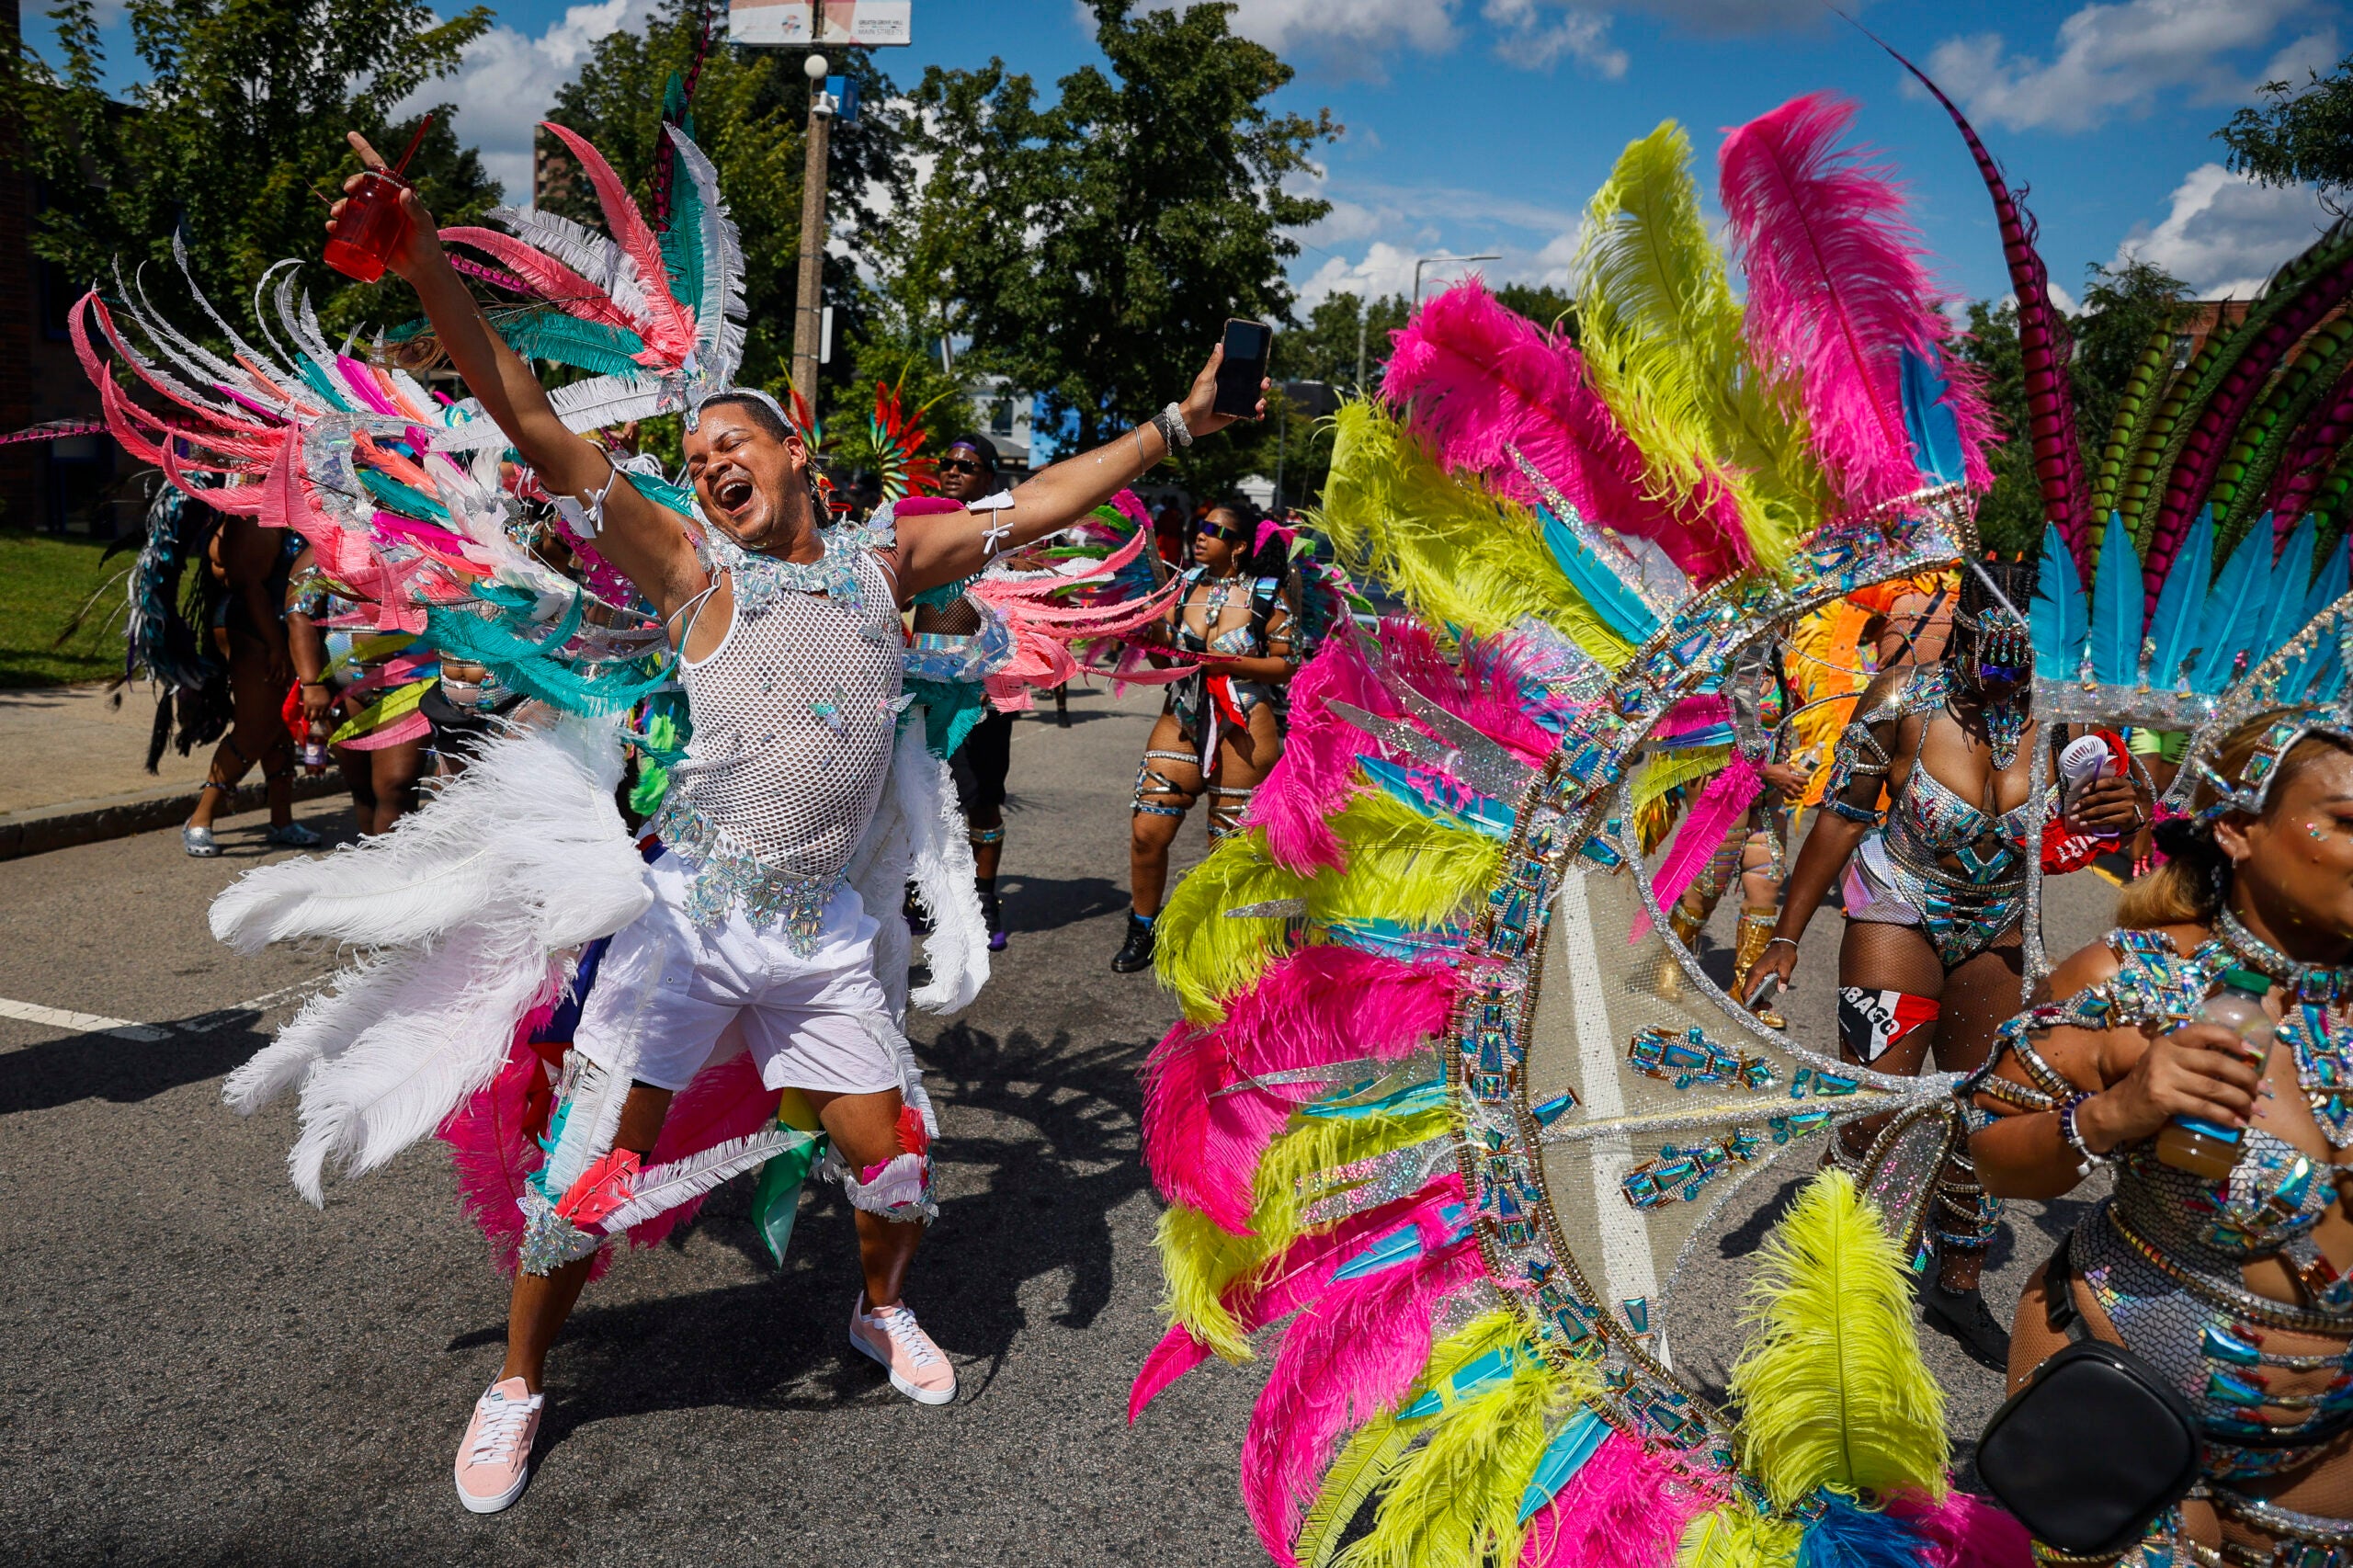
x=892 y=1335
x=495 y=1461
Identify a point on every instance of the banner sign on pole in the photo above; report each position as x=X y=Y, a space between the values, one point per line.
x=807 y=24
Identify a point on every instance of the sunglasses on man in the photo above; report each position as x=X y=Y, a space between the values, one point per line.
x=961 y=465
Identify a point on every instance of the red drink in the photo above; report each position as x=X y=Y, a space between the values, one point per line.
x=372 y=224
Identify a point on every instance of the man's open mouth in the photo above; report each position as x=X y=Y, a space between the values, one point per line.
x=732 y=493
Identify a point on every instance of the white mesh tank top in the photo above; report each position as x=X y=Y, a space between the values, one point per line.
x=794 y=714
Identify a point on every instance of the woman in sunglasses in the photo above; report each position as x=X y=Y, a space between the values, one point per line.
x=1925 y=828
x=1221 y=728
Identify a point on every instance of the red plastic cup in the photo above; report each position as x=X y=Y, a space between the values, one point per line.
x=372 y=224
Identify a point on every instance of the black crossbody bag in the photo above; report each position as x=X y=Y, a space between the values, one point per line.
x=2096 y=1445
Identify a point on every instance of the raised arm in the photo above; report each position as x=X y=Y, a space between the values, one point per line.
x=641 y=538
x=946 y=547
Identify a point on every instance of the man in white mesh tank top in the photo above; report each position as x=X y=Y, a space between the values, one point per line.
x=788 y=640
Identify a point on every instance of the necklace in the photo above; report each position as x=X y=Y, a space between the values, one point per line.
x=2309 y=981
x=759 y=579
x=2316 y=1028
x=2005 y=728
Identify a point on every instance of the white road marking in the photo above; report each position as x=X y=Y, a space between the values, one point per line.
x=83 y=1023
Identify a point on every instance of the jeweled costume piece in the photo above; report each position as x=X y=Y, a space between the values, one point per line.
x=1432 y=1135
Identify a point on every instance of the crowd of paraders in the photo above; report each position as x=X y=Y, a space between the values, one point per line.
x=659 y=773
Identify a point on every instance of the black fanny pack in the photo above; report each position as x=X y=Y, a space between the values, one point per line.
x=2096 y=1444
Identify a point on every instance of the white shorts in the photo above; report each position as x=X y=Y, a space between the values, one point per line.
x=666 y=990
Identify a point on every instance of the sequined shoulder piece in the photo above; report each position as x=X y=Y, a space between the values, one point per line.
x=2154 y=984
x=1920 y=691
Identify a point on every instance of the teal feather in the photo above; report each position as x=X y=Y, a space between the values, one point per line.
x=2291 y=584
x=406 y=499
x=2174 y=632
x=2116 y=598
x=546 y=333
x=2235 y=611
x=2059 y=618
x=661 y=492
x=1603 y=589
x=1574 y=1444
x=532 y=664
x=2329 y=585
x=1934 y=433
x=315 y=378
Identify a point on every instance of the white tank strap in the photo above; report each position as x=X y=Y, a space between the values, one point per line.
x=692 y=608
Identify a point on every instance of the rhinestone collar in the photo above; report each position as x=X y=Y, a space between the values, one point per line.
x=2311 y=981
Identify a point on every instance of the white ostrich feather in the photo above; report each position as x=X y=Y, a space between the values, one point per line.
x=611 y=400
x=596 y=258
x=719 y=313
x=661 y=1189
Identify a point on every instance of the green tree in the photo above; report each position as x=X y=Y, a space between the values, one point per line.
x=1092 y=248
x=2298 y=134
x=750 y=115
x=237 y=125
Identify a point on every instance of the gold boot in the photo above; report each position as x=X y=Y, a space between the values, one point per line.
x=1687 y=924
x=1755 y=935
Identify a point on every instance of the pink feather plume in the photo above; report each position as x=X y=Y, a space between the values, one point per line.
x=495 y=1146
x=1623 y=1508
x=1352 y=1354
x=1287 y=1284
x=1964 y=1531
x=669 y=326
x=1476 y=378
x=1836 y=289
x=1727 y=795
x=1316 y=777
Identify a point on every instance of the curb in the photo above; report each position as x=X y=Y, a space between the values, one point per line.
x=45 y=828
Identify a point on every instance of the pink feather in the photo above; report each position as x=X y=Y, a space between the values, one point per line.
x=1965 y=1531
x=1319 y=1004
x=2307 y=462
x=1727 y=795
x=669 y=326
x=1316 y=777
x=1352 y=1354
x=493 y=1146
x=1623 y=1508
x=1475 y=379
x=547 y=277
x=1836 y=288
x=1689 y=717
x=724 y=1100
x=1287 y=1284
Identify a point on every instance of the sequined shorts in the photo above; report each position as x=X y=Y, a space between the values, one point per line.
x=669 y=992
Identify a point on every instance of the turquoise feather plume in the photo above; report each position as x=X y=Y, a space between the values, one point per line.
x=406 y=499
x=597 y=347
x=2116 y=608
x=2235 y=611
x=2059 y=618
x=1934 y=432
x=1603 y=589
x=2290 y=584
x=2329 y=585
x=2174 y=632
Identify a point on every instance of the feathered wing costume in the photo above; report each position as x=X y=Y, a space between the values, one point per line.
x=475 y=914
x=1427 y=1103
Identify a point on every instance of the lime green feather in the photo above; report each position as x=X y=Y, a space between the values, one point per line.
x=1666 y=770
x=1368 y=1462
x=1201 y=1261
x=1661 y=336
x=1455 y=554
x=2242 y=485
x=2147 y=470
x=1401 y=866
x=2134 y=407
x=1736 y=1536
x=1832 y=1389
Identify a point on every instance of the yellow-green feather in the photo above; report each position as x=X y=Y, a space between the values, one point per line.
x=1736 y=1536
x=1200 y=1261
x=1667 y=769
x=1454 y=1500
x=1457 y=554
x=1367 y=1463
x=1832 y=1389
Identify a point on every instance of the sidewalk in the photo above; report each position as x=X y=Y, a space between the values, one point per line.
x=76 y=770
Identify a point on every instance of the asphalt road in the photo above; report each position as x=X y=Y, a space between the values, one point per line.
x=196 y=1367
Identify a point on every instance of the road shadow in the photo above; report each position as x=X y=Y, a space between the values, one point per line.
x=1049 y=903
x=109 y=1067
x=1038 y=1148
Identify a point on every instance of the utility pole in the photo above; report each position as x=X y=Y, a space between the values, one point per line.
x=807 y=318
x=1364 y=314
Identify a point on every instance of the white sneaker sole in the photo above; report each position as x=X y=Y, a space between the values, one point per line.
x=915 y=1392
x=500 y=1504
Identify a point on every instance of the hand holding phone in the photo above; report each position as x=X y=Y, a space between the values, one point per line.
x=1248 y=346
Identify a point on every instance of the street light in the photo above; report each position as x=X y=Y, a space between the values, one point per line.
x=1422 y=261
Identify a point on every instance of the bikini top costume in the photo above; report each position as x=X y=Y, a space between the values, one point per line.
x=1247 y=640
x=2164 y=1253
x=1962 y=912
x=794 y=713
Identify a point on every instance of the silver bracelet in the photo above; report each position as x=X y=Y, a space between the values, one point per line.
x=2071 y=1136
x=1790 y=940
x=1170 y=423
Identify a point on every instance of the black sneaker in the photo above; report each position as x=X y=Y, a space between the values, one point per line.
x=993 y=914
x=1963 y=1317
x=1137 y=953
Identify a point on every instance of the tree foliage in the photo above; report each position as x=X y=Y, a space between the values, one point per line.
x=238 y=124
x=1093 y=247
x=2298 y=134
x=2122 y=310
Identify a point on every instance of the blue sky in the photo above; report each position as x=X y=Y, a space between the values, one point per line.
x=1484 y=125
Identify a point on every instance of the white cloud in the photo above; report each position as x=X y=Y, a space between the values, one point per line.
x=2113 y=59
x=508 y=84
x=1528 y=41
x=2225 y=234
x=1345 y=39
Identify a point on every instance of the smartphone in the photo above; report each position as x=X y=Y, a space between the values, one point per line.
x=1766 y=987
x=1248 y=345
